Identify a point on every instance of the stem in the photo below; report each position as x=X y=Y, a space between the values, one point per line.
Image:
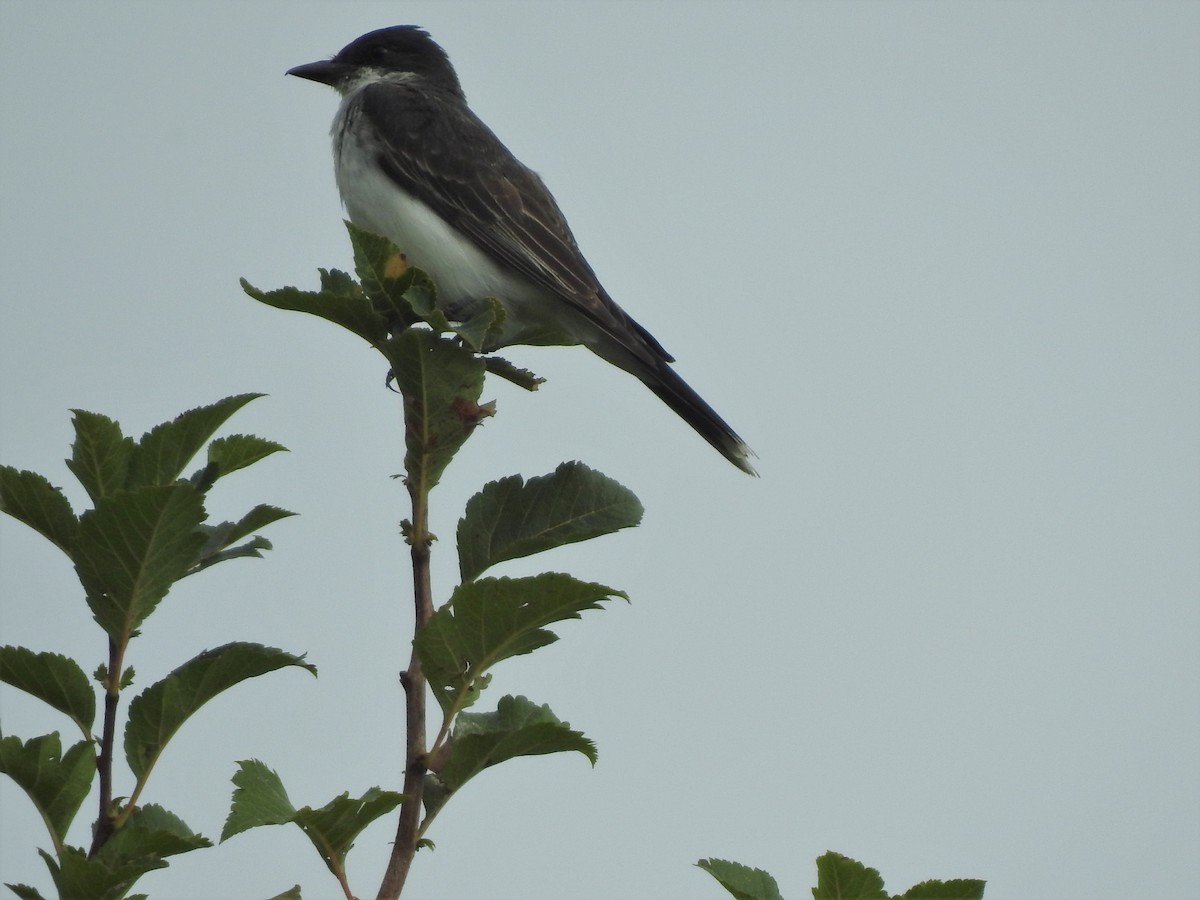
x=341 y=877
x=105 y=821
x=407 y=832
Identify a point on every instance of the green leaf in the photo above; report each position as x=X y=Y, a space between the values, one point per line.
x=52 y=678
x=510 y=518
x=340 y=283
x=28 y=497
x=259 y=798
x=132 y=547
x=56 y=782
x=165 y=449
x=420 y=297
x=741 y=881
x=956 y=889
x=249 y=549
x=151 y=832
x=334 y=827
x=522 y=378
x=434 y=796
x=159 y=711
x=100 y=455
x=842 y=878
x=485 y=324
x=222 y=536
x=292 y=893
x=492 y=619
x=441 y=383
x=259 y=517
x=75 y=875
x=237 y=451
x=341 y=302
x=518 y=727
x=24 y=891
x=386 y=276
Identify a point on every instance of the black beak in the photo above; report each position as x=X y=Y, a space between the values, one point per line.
x=326 y=71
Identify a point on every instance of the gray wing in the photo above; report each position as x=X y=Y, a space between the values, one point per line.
x=435 y=148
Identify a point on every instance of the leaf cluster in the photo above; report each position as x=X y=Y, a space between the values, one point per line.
x=838 y=878
x=438 y=367
x=260 y=799
x=146 y=529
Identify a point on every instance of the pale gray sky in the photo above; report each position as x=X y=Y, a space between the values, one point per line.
x=938 y=263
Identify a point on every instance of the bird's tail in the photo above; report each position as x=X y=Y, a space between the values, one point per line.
x=629 y=346
x=689 y=406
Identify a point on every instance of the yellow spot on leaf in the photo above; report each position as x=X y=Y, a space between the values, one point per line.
x=396 y=265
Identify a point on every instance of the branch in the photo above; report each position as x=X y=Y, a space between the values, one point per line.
x=106 y=821
x=407 y=832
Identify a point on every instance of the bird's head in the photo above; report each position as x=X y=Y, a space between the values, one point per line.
x=399 y=50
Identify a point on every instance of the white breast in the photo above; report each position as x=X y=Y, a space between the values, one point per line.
x=463 y=273
x=373 y=201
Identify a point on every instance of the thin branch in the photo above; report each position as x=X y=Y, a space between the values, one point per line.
x=407 y=832
x=105 y=821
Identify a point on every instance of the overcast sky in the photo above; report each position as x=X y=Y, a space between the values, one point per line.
x=938 y=263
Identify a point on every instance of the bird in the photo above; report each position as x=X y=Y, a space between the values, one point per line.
x=414 y=164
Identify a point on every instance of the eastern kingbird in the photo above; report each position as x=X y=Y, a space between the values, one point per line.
x=415 y=165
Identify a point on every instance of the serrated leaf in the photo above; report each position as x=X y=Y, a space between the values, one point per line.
x=441 y=383
x=522 y=378
x=75 y=875
x=132 y=547
x=511 y=518
x=492 y=619
x=346 y=307
x=334 y=827
x=955 y=889
x=385 y=274
x=150 y=832
x=842 y=878
x=159 y=711
x=237 y=451
x=250 y=549
x=220 y=537
x=421 y=297
x=24 y=891
x=259 y=517
x=259 y=798
x=100 y=454
x=52 y=678
x=292 y=893
x=56 y=782
x=742 y=882
x=164 y=451
x=338 y=282
x=30 y=498
x=518 y=727
x=486 y=323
